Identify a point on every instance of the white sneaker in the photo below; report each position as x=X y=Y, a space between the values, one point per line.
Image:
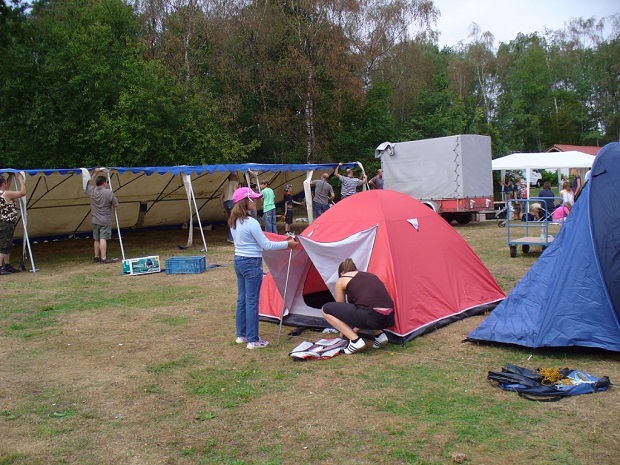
x=241 y=340
x=380 y=341
x=260 y=344
x=353 y=347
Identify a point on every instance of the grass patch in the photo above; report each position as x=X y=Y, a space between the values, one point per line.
x=165 y=367
x=101 y=368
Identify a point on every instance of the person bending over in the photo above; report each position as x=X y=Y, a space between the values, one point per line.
x=362 y=302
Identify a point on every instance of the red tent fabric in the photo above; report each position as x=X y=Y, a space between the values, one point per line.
x=432 y=274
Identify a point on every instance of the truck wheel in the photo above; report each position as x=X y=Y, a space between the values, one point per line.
x=513 y=251
x=525 y=248
x=463 y=218
x=539 y=183
x=449 y=217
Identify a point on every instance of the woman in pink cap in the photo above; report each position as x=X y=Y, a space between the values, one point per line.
x=250 y=241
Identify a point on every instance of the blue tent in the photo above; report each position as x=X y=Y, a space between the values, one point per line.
x=571 y=295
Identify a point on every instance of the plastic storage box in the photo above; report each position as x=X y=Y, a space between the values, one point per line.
x=186 y=265
x=142 y=265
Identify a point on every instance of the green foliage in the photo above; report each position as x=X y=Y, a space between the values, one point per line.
x=438 y=114
x=106 y=82
x=550 y=177
x=86 y=97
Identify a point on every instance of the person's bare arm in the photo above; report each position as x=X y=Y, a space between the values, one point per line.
x=340 y=289
x=12 y=195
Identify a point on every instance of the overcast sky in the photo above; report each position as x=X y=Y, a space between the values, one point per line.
x=505 y=19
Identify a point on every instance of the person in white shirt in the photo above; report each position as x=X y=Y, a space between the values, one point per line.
x=249 y=241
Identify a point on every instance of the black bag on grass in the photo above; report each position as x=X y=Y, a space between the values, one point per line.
x=530 y=384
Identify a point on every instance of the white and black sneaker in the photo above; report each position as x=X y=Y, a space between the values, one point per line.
x=380 y=341
x=354 y=346
x=260 y=344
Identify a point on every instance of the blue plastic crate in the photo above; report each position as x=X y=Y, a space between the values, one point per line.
x=186 y=265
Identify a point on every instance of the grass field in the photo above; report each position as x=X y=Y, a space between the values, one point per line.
x=101 y=368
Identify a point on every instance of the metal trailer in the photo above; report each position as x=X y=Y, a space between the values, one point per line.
x=452 y=175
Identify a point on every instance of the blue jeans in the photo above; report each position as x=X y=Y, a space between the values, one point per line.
x=320 y=208
x=270 y=221
x=249 y=271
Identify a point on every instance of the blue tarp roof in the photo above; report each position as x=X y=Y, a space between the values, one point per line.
x=187 y=169
x=57 y=205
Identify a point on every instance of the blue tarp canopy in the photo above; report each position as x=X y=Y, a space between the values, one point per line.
x=58 y=207
x=571 y=295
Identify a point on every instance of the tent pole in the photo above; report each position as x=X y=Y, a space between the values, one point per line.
x=23 y=211
x=365 y=186
x=191 y=190
x=118 y=226
x=288 y=271
x=190 y=234
x=308 y=196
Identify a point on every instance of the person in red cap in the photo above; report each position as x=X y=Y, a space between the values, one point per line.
x=250 y=241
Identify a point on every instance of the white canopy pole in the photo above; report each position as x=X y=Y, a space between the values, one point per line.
x=187 y=181
x=308 y=196
x=528 y=177
x=24 y=212
x=118 y=226
x=365 y=185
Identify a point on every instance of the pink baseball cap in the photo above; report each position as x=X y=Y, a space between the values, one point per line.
x=245 y=193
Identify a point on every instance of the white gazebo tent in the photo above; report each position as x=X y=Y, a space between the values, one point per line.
x=544 y=160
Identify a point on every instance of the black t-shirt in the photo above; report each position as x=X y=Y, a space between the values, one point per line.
x=366 y=290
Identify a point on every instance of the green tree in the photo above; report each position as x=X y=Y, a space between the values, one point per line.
x=525 y=100
x=92 y=99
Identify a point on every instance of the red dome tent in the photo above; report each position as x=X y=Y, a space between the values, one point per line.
x=432 y=274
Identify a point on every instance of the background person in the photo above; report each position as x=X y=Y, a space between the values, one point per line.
x=269 y=207
x=547 y=198
x=362 y=302
x=560 y=213
x=567 y=194
x=576 y=184
x=535 y=213
x=226 y=198
x=323 y=194
x=377 y=181
x=8 y=217
x=289 y=203
x=102 y=202
x=349 y=183
x=250 y=241
x=517 y=195
x=506 y=187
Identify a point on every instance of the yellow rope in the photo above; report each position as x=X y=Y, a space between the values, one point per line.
x=550 y=375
